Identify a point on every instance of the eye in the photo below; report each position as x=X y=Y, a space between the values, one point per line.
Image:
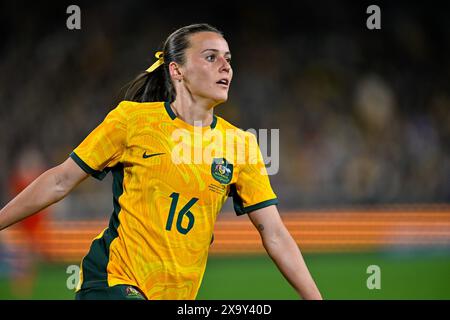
x=211 y=58
x=228 y=60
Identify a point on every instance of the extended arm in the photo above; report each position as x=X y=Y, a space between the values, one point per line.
x=48 y=188
x=283 y=250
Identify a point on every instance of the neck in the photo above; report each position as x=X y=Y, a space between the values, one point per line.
x=192 y=110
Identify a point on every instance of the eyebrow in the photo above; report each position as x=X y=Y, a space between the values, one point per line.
x=215 y=50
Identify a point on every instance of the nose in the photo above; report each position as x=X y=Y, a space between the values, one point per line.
x=225 y=66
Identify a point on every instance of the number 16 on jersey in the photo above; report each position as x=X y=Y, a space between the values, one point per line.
x=183 y=212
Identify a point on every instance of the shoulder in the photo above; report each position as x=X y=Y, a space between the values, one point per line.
x=230 y=129
x=132 y=106
x=129 y=110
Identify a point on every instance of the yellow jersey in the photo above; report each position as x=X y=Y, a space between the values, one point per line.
x=170 y=181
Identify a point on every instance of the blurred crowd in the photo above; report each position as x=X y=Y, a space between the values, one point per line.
x=363 y=114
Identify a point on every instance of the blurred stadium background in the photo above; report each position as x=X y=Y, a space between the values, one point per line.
x=364 y=125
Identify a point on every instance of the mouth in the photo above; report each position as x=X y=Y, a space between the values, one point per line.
x=223 y=82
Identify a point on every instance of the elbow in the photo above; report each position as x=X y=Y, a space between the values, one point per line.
x=60 y=186
x=59 y=193
x=272 y=242
x=278 y=241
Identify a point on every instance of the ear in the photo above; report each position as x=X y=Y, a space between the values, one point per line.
x=175 y=72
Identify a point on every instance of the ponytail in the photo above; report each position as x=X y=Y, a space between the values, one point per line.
x=148 y=87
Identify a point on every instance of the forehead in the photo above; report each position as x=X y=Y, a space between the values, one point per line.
x=207 y=40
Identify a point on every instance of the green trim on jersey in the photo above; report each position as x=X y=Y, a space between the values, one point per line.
x=169 y=110
x=261 y=205
x=172 y=114
x=214 y=122
x=86 y=168
x=96 y=261
x=239 y=205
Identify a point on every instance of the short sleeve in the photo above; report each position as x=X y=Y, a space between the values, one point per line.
x=103 y=148
x=252 y=190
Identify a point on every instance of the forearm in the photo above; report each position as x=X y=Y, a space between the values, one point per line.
x=41 y=193
x=287 y=256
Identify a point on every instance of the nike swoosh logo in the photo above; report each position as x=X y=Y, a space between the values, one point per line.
x=145 y=155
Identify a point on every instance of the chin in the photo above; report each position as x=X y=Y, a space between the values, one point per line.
x=219 y=99
x=223 y=97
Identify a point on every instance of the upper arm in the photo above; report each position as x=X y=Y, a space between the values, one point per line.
x=268 y=222
x=252 y=190
x=68 y=175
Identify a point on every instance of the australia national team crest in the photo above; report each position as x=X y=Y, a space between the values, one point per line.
x=222 y=170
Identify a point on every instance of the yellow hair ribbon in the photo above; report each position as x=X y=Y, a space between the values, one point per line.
x=160 y=61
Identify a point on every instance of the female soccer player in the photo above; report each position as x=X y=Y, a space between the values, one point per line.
x=157 y=241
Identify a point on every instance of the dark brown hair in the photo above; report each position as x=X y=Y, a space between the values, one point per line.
x=157 y=85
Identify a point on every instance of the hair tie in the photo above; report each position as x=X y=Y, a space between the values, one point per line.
x=160 y=61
